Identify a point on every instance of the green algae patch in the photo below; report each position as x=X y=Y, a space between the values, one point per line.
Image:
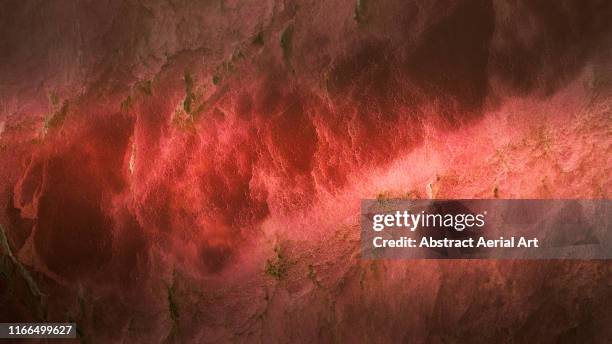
x=58 y=116
x=278 y=267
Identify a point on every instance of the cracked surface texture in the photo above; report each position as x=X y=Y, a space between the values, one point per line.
x=176 y=171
